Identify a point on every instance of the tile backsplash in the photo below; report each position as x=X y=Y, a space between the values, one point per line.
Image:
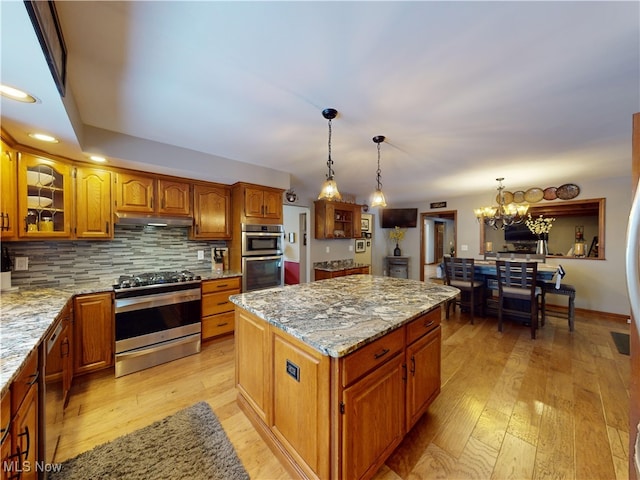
x=134 y=249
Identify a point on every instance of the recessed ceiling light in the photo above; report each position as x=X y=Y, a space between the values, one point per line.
x=44 y=138
x=15 y=94
x=97 y=158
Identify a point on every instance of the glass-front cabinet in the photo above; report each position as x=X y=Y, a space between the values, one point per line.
x=44 y=197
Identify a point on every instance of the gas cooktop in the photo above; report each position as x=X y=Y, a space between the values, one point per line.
x=155 y=278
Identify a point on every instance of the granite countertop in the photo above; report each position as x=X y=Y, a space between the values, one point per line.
x=337 y=265
x=27 y=313
x=339 y=315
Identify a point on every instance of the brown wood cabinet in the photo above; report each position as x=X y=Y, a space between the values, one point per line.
x=24 y=412
x=257 y=204
x=6 y=447
x=336 y=418
x=212 y=212
x=138 y=193
x=93 y=332
x=94 y=203
x=8 y=195
x=218 y=313
x=44 y=197
x=323 y=274
x=59 y=351
x=337 y=220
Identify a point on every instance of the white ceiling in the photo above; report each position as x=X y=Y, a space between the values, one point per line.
x=540 y=93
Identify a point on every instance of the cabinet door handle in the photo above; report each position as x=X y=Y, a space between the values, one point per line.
x=35 y=378
x=413 y=365
x=65 y=352
x=106 y=226
x=26 y=433
x=381 y=353
x=404 y=372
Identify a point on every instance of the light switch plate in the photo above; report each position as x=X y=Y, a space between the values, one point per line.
x=22 y=264
x=200 y=254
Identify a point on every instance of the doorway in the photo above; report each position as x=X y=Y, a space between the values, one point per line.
x=437 y=238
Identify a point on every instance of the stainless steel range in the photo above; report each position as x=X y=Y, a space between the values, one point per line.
x=158 y=319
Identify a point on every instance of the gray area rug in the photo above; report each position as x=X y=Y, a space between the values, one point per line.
x=189 y=444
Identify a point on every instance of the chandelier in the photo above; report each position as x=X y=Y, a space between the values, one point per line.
x=329 y=190
x=378 y=199
x=504 y=214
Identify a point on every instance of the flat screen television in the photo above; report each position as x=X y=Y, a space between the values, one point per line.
x=519 y=234
x=399 y=217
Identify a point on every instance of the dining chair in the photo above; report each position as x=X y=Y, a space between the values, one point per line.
x=459 y=274
x=518 y=292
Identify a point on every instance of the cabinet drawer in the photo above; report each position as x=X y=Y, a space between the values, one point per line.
x=423 y=325
x=232 y=283
x=371 y=356
x=218 y=325
x=27 y=377
x=213 y=303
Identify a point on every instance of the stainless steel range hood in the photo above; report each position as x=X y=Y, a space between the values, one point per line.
x=154 y=220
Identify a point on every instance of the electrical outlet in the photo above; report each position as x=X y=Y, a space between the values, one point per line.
x=351 y=248
x=464 y=248
x=200 y=254
x=328 y=249
x=22 y=264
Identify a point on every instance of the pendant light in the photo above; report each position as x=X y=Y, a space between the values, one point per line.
x=329 y=189
x=378 y=199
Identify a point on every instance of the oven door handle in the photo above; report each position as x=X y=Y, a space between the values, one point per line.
x=157 y=348
x=141 y=303
x=269 y=257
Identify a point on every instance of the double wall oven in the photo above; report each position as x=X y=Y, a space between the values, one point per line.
x=262 y=256
x=157 y=319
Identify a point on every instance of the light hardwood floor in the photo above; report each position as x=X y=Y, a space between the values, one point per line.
x=510 y=407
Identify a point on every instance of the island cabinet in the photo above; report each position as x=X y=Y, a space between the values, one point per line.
x=337 y=220
x=218 y=317
x=152 y=195
x=212 y=212
x=336 y=417
x=93 y=332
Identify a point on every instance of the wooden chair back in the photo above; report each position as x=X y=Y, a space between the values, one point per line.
x=458 y=269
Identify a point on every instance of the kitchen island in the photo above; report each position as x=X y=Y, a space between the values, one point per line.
x=334 y=373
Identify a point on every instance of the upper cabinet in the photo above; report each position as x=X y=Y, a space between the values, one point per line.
x=44 y=197
x=257 y=204
x=337 y=220
x=8 y=195
x=145 y=194
x=94 y=202
x=212 y=212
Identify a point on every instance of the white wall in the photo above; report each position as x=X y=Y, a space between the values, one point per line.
x=600 y=284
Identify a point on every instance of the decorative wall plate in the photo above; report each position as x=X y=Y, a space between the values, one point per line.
x=567 y=191
x=534 y=195
x=518 y=197
x=550 y=193
x=508 y=198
